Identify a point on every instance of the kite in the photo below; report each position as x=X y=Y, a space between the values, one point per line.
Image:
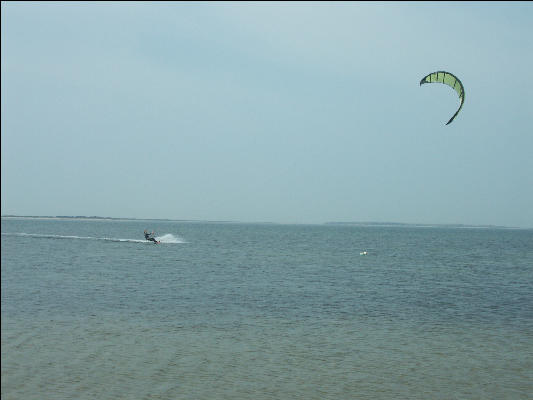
x=451 y=80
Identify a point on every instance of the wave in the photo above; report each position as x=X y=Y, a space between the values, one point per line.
x=167 y=238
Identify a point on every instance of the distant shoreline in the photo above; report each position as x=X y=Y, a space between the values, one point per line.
x=404 y=224
x=97 y=218
x=333 y=223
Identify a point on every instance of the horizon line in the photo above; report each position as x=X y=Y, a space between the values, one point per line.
x=346 y=223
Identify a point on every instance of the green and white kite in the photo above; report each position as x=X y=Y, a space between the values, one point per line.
x=449 y=79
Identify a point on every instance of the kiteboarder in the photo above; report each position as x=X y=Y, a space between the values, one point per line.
x=149 y=236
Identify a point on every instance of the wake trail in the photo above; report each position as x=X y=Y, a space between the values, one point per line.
x=167 y=238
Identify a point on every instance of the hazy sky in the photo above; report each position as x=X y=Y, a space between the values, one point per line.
x=281 y=112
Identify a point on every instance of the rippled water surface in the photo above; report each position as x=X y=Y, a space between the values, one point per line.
x=244 y=311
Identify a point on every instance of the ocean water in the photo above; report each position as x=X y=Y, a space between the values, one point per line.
x=258 y=311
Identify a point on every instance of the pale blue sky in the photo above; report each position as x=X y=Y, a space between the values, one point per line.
x=280 y=112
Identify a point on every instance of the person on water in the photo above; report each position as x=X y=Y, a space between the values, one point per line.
x=149 y=236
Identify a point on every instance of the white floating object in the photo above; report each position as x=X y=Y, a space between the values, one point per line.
x=363 y=253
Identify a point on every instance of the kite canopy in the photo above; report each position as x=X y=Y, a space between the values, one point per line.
x=450 y=80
